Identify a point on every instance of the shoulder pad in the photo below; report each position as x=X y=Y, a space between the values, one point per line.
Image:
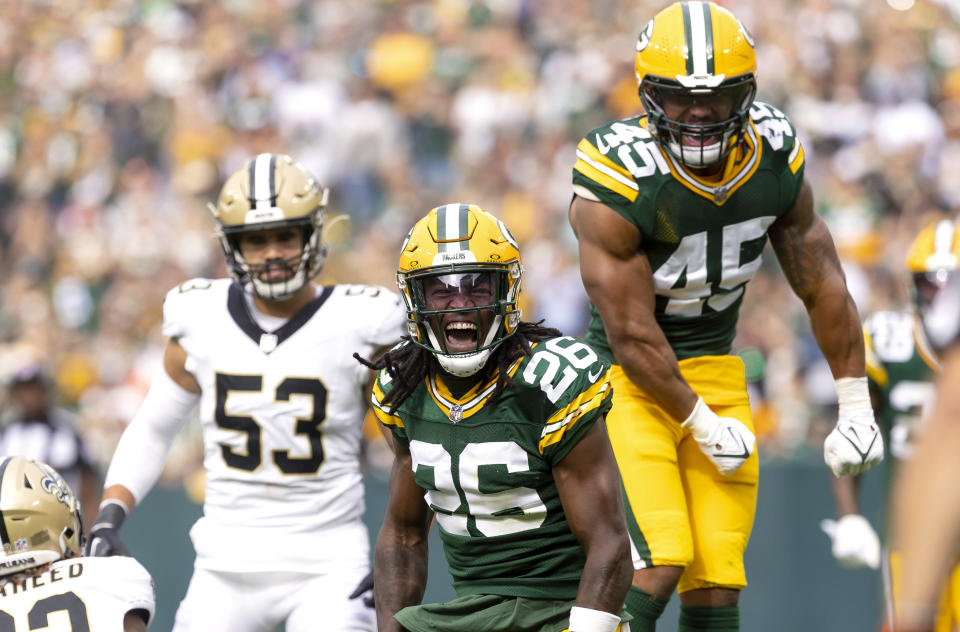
x=611 y=159
x=775 y=128
x=180 y=303
x=573 y=383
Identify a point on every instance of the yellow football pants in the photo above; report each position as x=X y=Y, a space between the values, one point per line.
x=948 y=612
x=681 y=511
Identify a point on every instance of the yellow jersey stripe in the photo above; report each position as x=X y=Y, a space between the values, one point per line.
x=592 y=155
x=875 y=370
x=603 y=179
x=591 y=399
x=796 y=156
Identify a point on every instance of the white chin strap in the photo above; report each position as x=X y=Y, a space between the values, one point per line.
x=695 y=156
x=465 y=365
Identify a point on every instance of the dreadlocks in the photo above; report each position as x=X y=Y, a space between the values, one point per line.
x=408 y=364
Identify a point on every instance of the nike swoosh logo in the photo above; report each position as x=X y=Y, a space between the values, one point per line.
x=743 y=446
x=592 y=377
x=863 y=454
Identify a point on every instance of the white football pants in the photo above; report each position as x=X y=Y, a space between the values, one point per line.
x=218 y=601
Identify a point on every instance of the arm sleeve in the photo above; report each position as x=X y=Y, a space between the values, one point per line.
x=143 y=447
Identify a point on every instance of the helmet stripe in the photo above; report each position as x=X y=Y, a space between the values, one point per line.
x=698 y=29
x=262 y=181
x=687 y=37
x=708 y=34
x=943 y=240
x=452 y=225
x=4 y=536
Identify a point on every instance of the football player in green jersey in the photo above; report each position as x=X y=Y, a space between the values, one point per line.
x=926 y=498
x=672 y=210
x=497 y=430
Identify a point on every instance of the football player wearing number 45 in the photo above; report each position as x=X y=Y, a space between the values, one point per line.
x=672 y=210
x=43 y=579
x=497 y=430
x=268 y=355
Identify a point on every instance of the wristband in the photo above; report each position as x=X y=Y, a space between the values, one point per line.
x=113 y=512
x=853 y=396
x=700 y=418
x=590 y=620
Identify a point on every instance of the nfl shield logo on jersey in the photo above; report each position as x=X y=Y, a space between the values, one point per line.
x=21 y=545
x=456 y=413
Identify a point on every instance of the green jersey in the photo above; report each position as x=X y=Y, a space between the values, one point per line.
x=900 y=370
x=486 y=467
x=704 y=239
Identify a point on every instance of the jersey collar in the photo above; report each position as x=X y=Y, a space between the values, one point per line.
x=471 y=402
x=736 y=172
x=268 y=341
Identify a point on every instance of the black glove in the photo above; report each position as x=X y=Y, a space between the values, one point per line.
x=104 y=539
x=365 y=585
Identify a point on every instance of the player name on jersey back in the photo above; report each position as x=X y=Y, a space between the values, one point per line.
x=77 y=594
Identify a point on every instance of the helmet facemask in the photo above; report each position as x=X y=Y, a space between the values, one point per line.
x=461 y=313
x=699 y=144
x=301 y=268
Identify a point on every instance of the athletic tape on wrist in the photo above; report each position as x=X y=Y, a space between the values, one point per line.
x=853 y=395
x=590 y=620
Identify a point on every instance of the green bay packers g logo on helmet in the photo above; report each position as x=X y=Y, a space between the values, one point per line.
x=696 y=52
x=272 y=191
x=39 y=516
x=459 y=274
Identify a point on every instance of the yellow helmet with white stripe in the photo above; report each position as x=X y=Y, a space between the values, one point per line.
x=932 y=258
x=696 y=55
x=459 y=274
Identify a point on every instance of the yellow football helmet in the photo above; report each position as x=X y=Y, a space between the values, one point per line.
x=272 y=191
x=932 y=258
x=39 y=516
x=459 y=274
x=696 y=53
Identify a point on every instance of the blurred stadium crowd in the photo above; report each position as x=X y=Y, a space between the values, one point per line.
x=119 y=119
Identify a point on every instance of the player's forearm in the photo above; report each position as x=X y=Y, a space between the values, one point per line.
x=606 y=577
x=399 y=576
x=846 y=493
x=121 y=493
x=836 y=327
x=652 y=365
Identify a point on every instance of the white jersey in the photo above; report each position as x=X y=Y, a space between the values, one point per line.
x=84 y=593
x=282 y=415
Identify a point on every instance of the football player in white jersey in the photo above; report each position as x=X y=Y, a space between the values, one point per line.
x=43 y=581
x=269 y=357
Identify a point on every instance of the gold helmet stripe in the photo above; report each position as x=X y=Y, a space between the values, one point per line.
x=452 y=227
x=263 y=192
x=698 y=31
x=4 y=536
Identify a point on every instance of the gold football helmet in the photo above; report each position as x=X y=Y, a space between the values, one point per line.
x=272 y=191
x=459 y=274
x=932 y=258
x=696 y=52
x=39 y=516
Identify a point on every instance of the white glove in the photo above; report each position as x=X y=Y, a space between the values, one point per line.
x=855 y=543
x=726 y=442
x=855 y=444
